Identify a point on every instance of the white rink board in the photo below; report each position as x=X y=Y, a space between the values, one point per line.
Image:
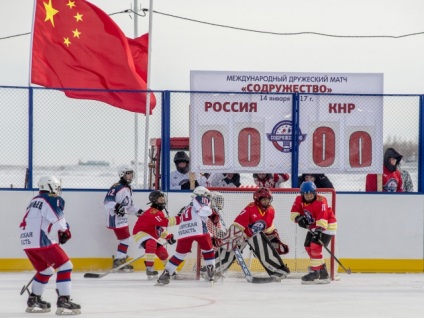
x=370 y=225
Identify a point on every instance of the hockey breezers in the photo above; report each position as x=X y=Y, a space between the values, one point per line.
x=100 y=275
x=347 y=270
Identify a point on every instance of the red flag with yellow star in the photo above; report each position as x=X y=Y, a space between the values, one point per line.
x=78 y=46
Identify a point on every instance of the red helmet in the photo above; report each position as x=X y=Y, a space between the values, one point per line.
x=262 y=193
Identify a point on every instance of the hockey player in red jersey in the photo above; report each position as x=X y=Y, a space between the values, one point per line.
x=42 y=228
x=256 y=221
x=192 y=228
x=311 y=211
x=258 y=216
x=150 y=227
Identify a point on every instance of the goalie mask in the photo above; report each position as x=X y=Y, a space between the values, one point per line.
x=126 y=174
x=259 y=195
x=308 y=190
x=50 y=184
x=217 y=202
x=157 y=200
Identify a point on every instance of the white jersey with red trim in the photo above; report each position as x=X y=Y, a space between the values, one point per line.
x=119 y=193
x=43 y=219
x=194 y=218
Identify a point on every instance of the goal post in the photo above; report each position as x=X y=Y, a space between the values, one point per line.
x=236 y=199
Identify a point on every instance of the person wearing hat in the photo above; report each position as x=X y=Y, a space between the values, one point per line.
x=180 y=179
x=320 y=180
x=391 y=179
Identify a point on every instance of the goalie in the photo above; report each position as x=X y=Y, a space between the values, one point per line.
x=253 y=226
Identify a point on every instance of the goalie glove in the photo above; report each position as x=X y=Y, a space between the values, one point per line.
x=275 y=240
x=119 y=209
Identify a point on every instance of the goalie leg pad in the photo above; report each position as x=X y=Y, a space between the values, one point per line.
x=268 y=255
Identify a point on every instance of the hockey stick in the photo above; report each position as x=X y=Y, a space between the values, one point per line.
x=25 y=288
x=97 y=275
x=246 y=271
x=347 y=270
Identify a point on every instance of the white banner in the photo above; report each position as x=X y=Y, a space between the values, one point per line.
x=253 y=132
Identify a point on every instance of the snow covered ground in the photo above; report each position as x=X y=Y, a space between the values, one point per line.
x=132 y=295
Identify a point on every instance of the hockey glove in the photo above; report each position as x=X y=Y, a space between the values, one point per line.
x=301 y=221
x=119 y=209
x=317 y=235
x=170 y=239
x=181 y=211
x=139 y=213
x=64 y=236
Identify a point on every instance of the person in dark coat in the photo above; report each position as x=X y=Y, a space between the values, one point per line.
x=320 y=180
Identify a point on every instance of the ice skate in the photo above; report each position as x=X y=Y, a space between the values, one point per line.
x=210 y=271
x=163 y=279
x=151 y=273
x=175 y=276
x=36 y=304
x=120 y=261
x=66 y=307
x=324 y=278
x=310 y=277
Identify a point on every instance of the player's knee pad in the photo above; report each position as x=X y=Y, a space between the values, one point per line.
x=49 y=271
x=180 y=256
x=68 y=266
x=125 y=241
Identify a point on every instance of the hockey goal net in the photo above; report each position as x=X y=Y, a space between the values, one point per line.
x=291 y=234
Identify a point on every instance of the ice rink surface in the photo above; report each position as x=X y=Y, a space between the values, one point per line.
x=132 y=295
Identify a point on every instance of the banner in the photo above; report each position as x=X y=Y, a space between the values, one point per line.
x=252 y=131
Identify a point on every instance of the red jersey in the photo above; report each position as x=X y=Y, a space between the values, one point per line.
x=317 y=213
x=153 y=222
x=253 y=219
x=392 y=181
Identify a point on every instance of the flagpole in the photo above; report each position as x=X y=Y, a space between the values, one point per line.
x=146 y=135
x=135 y=114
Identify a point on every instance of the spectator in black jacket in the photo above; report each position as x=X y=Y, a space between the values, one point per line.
x=320 y=180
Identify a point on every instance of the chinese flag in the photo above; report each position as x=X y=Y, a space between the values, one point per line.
x=77 y=45
x=139 y=51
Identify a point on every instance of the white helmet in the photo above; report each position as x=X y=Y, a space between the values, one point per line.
x=50 y=184
x=123 y=170
x=202 y=191
x=217 y=201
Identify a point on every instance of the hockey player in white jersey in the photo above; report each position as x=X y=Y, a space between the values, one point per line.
x=118 y=204
x=43 y=226
x=193 y=228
